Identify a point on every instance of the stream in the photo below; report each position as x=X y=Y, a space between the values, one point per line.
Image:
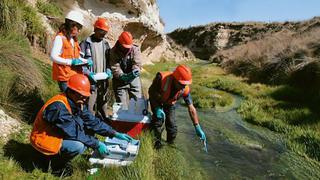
x=237 y=149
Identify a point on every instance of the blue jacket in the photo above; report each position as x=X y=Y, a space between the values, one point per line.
x=79 y=126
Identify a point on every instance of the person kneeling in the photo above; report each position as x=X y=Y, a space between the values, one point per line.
x=64 y=127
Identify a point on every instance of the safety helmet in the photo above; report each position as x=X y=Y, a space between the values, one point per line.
x=125 y=39
x=80 y=83
x=101 y=23
x=182 y=73
x=75 y=16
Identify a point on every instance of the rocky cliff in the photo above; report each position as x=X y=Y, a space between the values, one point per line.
x=205 y=41
x=140 y=17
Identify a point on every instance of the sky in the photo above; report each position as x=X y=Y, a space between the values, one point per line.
x=186 y=13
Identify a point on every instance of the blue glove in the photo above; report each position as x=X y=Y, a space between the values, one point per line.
x=109 y=73
x=127 y=77
x=122 y=136
x=90 y=62
x=160 y=114
x=76 y=62
x=102 y=149
x=91 y=77
x=136 y=72
x=200 y=133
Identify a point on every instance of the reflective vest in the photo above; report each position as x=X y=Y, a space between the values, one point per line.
x=166 y=87
x=44 y=137
x=64 y=72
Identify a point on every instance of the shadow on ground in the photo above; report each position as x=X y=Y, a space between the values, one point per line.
x=27 y=157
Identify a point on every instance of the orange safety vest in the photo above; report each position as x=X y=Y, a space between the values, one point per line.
x=166 y=84
x=43 y=136
x=64 y=72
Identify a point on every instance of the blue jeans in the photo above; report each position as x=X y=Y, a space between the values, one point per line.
x=63 y=86
x=71 y=148
x=68 y=151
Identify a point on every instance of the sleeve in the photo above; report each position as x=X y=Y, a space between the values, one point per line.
x=115 y=66
x=68 y=125
x=107 y=54
x=95 y=124
x=83 y=49
x=136 y=58
x=56 y=51
x=155 y=92
x=188 y=99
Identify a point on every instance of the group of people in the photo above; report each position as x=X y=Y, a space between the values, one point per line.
x=65 y=126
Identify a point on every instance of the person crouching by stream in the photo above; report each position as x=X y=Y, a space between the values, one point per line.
x=165 y=90
x=64 y=127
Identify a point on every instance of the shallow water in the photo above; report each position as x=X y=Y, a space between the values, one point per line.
x=237 y=149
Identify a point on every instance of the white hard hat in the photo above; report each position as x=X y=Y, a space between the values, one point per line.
x=75 y=16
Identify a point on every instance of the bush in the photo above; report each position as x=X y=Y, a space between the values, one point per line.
x=272 y=59
x=10 y=16
x=49 y=8
x=21 y=78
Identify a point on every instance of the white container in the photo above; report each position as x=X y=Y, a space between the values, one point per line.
x=100 y=76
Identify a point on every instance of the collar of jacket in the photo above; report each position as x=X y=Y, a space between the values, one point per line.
x=74 y=108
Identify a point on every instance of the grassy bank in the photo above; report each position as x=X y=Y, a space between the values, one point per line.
x=282 y=109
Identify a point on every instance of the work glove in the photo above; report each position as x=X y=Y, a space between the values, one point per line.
x=109 y=73
x=102 y=149
x=127 y=77
x=136 y=72
x=160 y=115
x=91 y=77
x=90 y=62
x=76 y=62
x=122 y=136
x=199 y=132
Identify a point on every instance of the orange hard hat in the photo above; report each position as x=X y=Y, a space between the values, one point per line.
x=80 y=83
x=125 y=39
x=101 y=23
x=182 y=73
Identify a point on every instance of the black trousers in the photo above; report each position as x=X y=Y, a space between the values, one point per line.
x=170 y=124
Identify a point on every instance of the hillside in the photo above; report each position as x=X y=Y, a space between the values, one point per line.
x=261 y=123
x=257 y=50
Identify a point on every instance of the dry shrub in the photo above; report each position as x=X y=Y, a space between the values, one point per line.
x=15 y=54
x=20 y=77
x=273 y=58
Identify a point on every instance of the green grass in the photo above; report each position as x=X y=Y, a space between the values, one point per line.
x=283 y=109
x=18 y=16
x=49 y=8
x=167 y=163
x=10 y=16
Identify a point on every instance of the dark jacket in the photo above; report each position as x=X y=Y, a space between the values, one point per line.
x=121 y=63
x=155 y=96
x=78 y=125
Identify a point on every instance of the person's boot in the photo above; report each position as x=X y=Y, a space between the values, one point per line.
x=170 y=139
x=157 y=145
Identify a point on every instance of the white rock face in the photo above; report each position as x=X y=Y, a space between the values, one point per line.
x=8 y=125
x=222 y=38
x=140 y=17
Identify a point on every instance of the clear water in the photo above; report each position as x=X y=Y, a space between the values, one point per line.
x=238 y=150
